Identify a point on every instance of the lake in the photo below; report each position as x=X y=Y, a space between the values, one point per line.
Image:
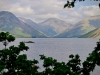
x=58 y=48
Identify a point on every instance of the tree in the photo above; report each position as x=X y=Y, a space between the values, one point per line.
x=71 y=3
x=73 y=66
x=11 y=62
x=5 y=38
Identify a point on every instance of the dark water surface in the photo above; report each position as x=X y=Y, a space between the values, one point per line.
x=58 y=48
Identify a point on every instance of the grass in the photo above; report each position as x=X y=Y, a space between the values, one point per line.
x=18 y=32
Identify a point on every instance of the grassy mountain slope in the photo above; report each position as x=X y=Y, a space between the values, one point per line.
x=92 y=34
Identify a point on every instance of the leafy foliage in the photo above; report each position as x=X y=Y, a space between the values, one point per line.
x=5 y=38
x=74 y=66
x=11 y=62
x=71 y=3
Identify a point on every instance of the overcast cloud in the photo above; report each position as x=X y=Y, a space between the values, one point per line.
x=40 y=10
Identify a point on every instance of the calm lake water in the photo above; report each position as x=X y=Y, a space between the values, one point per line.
x=58 y=48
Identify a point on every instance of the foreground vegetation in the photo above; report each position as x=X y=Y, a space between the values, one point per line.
x=12 y=63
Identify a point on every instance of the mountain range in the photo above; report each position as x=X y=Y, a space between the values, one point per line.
x=10 y=23
x=82 y=27
x=52 y=27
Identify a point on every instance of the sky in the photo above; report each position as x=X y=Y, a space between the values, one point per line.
x=40 y=10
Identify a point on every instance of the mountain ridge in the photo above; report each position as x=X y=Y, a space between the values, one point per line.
x=82 y=27
x=92 y=34
x=54 y=26
x=9 y=22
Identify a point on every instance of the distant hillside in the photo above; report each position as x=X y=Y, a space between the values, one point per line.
x=29 y=22
x=9 y=22
x=92 y=34
x=82 y=27
x=32 y=24
x=53 y=26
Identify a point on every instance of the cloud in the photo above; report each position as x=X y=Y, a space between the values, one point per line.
x=46 y=16
x=17 y=8
x=4 y=5
x=75 y=15
x=90 y=10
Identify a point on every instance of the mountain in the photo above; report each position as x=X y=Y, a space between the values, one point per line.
x=30 y=22
x=92 y=34
x=53 y=26
x=9 y=22
x=82 y=27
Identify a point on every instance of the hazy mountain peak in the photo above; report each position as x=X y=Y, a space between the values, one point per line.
x=26 y=20
x=7 y=16
x=93 y=21
x=6 y=13
x=91 y=18
x=29 y=22
x=54 y=26
x=53 y=20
